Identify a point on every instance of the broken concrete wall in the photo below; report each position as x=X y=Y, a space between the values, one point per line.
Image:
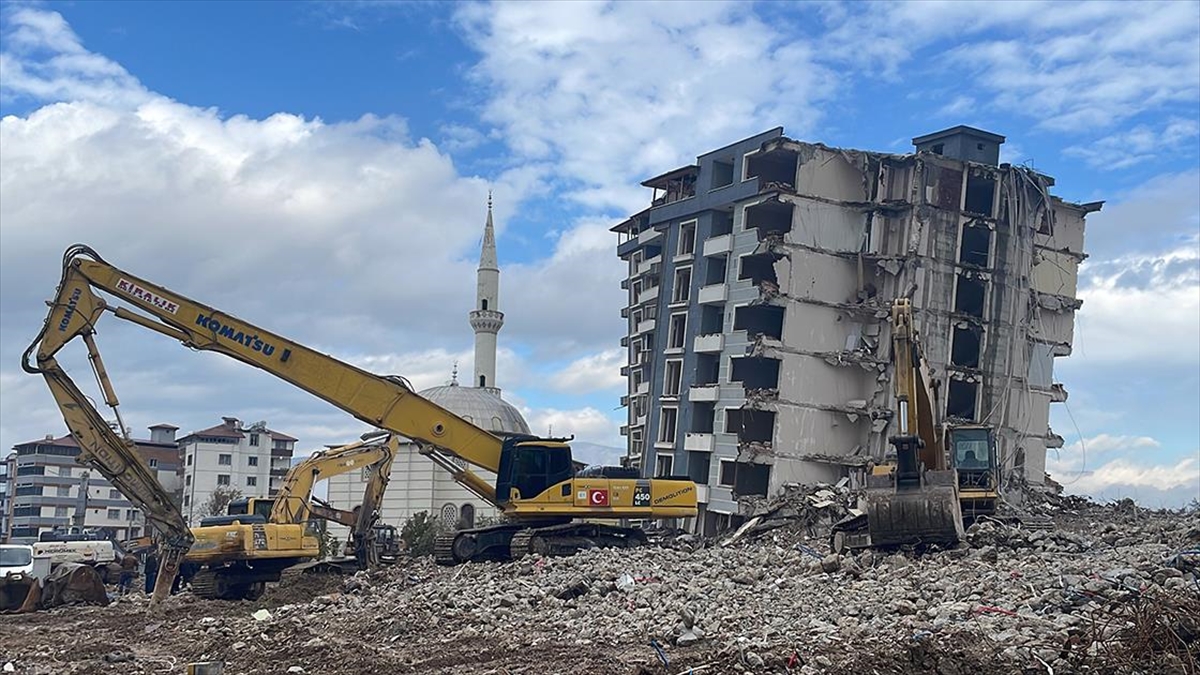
x=827 y=173
x=825 y=226
x=1055 y=273
x=809 y=275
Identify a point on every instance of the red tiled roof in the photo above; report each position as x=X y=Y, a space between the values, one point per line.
x=221 y=431
x=276 y=436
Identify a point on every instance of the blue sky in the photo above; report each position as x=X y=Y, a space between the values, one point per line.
x=322 y=168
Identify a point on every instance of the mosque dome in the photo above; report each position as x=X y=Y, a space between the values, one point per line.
x=481 y=407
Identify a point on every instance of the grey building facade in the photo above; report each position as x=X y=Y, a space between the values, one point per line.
x=760 y=281
x=46 y=489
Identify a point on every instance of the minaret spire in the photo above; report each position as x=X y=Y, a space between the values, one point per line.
x=486 y=318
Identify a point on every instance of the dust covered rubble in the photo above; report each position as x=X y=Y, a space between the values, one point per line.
x=1111 y=592
x=1024 y=597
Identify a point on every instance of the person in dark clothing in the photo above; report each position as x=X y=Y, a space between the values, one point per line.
x=151 y=571
x=128 y=572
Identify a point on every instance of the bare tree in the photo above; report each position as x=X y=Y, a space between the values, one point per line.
x=218 y=500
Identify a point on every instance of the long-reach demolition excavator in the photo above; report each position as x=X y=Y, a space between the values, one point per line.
x=912 y=498
x=547 y=507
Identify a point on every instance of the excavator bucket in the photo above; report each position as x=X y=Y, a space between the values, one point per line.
x=926 y=514
x=19 y=593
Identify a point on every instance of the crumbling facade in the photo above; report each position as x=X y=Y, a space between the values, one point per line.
x=760 y=283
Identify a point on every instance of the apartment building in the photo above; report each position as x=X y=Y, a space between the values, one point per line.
x=253 y=460
x=5 y=502
x=46 y=488
x=760 y=282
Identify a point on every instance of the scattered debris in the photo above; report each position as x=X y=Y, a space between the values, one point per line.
x=1112 y=589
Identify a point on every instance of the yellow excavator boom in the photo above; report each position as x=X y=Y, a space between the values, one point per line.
x=536 y=481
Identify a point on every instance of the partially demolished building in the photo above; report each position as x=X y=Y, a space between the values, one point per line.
x=760 y=282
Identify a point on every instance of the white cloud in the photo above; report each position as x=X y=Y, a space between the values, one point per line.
x=70 y=73
x=1089 y=467
x=576 y=292
x=351 y=237
x=1141 y=308
x=586 y=424
x=616 y=91
x=1103 y=443
x=460 y=137
x=957 y=106
x=1141 y=286
x=1137 y=145
x=596 y=372
x=1072 y=66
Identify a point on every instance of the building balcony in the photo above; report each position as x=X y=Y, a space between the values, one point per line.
x=709 y=343
x=704 y=393
x=714 y=294
x=644 y=327
x=702 y=494
x=642 y=388
x=647 y=266
x=647 y=236
x=648 y=295
x=718 y=245
x=699 y=442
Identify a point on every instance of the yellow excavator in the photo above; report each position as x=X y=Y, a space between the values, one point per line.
x=548 y=508
x=913 y=496
x=235 y=555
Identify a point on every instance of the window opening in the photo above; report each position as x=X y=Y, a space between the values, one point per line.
x=976 y=245
x=687 y=238
x=968 y=296
x=960 y=402
x=682 y=289
x=722 y=173
x=980 y=195
x=964 y=350
x=667 y=425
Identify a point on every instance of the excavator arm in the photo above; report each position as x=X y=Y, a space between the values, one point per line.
x=914 y=399
x=536 y=482
x=295 y=503
x=384 y=402
x=73 y=314
x=292 y=500
x=912 y=499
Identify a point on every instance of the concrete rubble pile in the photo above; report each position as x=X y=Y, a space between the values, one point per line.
x=1107 y=591
x=798 y=514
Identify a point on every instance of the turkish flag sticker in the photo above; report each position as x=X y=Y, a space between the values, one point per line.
x=598 y=497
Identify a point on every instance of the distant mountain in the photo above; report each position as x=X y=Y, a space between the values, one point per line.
x=594 y=453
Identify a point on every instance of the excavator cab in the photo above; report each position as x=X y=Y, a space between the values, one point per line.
x=256 y=506
x=972 y=451
x=529 y=466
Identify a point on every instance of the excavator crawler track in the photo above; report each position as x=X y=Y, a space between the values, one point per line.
x=570 y=538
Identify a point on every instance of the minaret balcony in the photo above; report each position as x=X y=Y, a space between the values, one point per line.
x=487 y=320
